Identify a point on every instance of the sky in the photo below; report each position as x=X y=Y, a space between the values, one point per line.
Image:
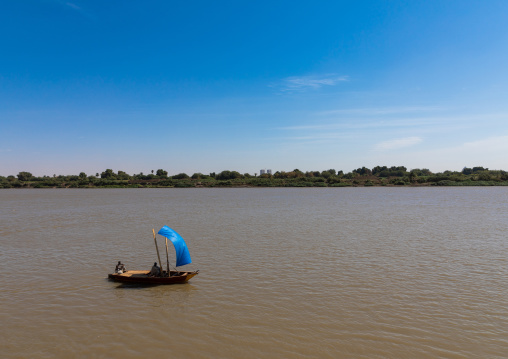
x=206 y=86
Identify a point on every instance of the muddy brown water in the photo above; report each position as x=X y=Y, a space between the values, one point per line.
x=284 y=273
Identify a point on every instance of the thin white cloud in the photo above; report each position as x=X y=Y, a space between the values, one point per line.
x=383 y=110
x=398 y=143
x=428 y=124
x=77 y=8
x=319 y=136
x=370 y=124
x=72 y=5
x=497 y=143
x=303 y=83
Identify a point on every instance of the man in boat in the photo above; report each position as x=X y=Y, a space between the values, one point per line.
x=156 y=271
x=120 y=268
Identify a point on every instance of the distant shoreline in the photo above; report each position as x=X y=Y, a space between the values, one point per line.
x=249 y=187
x=289 y=185
x=361 y=177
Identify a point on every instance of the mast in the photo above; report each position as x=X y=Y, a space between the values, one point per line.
x=167 y=255
x=157 y=248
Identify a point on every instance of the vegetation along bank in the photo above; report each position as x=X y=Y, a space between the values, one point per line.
x=361 y=177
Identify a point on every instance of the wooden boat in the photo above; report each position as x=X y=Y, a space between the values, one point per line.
x=142 y=277
x=174 y=277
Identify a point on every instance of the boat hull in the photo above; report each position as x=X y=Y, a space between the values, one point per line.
x=142 y=277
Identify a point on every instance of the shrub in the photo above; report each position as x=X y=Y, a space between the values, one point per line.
x=184 y=184
x=340 y=185
x=399 y=182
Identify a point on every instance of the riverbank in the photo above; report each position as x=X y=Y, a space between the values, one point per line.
x=252 y=183
x=361 y=177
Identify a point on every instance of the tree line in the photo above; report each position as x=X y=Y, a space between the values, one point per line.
x=360 y=177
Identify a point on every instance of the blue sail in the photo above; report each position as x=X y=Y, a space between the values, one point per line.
x=182 y=252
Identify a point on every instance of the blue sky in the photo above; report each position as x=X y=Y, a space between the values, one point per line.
x=206 y=86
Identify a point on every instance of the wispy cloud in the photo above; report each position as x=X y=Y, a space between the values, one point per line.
x=319 y=136
x=72 y=5
x=383 y=110
x=497 y=143
x=303 y=83
x=398 y=143
x=365 y=124
x=429 y=123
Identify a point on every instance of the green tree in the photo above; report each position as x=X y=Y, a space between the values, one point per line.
x=108 y=174
x=364 y=171
x=326 y=174
x=376 y=171
x=24 y=176
x=484 y=176
x=479 y=169
x=413 y=177
x=198 y=176
x=467 y=171
x=122 y=175
x=161 y=173
x=421 y=172
x=312 y=174
x=227 y=175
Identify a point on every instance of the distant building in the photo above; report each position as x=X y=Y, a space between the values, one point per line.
x=269 y=172
x=262 y=172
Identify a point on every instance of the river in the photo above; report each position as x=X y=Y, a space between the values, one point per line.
x=284 y=273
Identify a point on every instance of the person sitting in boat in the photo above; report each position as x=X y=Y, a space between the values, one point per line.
x=156 y=271
x=120 y=268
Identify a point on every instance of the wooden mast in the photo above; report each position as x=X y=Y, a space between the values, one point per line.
x=157 y=248
x=167 y=256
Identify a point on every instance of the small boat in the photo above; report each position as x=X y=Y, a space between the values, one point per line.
x=143 y=277
x=166 y=276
